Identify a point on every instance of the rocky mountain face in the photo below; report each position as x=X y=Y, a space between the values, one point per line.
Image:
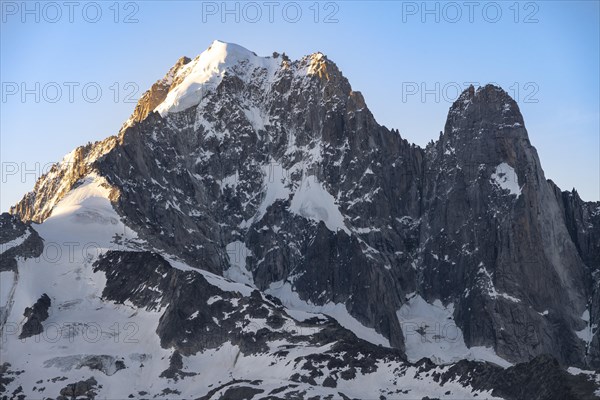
x=495 y=240
x=582 y=220
x=254 y=205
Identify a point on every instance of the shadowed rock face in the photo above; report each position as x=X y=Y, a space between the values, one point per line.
x=197 y=316
x=17 y=239
x=583 y=222
x=35 y=315
x=79 y=389
x=470 y=219
x=541 y=378
x=519 y=259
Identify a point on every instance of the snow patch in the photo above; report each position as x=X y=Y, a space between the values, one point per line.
x=298 y=307
x=430 y=331
x=505 y=177
x=313 y=201
x=587 y=333
x=274 y=188
x=225 y=284
x=255 y=117
x=237 y=252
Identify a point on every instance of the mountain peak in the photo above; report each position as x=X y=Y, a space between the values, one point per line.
x=231 y=52
x=491 y=105
x=188 y=82
x=206 y=71
x=318 y=65
x=489 y=93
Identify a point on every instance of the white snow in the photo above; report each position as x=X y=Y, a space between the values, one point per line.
x=290 y=299
x=430 y=331
x=237 y=252
x=81 y=227
x=222 y=283
x=310 y=200
x=577 y=371
x=487 y=283
x=274 y=372
x=274 y=188
x=505 y=177
x=586 y=316
x=255 y=117
x=313 y=201
x=205 y=73
x=587 y=333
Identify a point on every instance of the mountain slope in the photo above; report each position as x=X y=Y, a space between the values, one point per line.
x=270 y=178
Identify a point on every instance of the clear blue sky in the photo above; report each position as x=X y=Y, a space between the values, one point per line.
x=383 y=48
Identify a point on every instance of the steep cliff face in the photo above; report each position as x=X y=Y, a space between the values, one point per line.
x=275 y=174
x=583 y=222
x=494 y=239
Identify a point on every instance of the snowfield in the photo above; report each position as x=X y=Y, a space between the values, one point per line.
x=116 y=344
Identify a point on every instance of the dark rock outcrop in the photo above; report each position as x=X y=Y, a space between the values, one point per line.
x=542 y=378
x=35 y=315
x=17 y=239
x=78 y=390
x=197 y=315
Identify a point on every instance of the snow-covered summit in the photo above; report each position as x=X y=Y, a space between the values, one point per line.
x=206 y=71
